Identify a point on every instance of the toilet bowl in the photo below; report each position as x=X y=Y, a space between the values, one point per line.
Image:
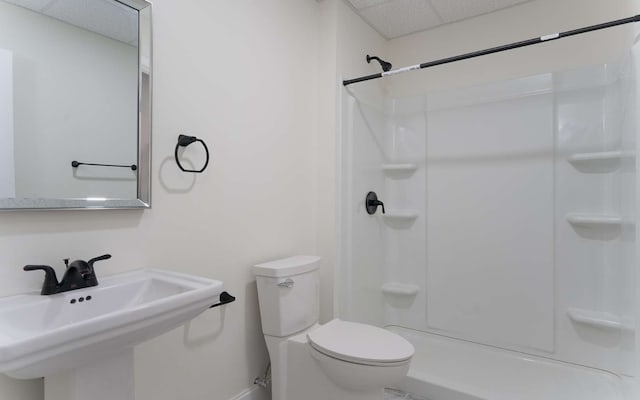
x=338 y=360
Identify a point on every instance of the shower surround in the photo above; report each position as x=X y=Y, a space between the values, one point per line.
x=508 y=245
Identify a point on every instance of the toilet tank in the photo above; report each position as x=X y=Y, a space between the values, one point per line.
x=289 y=294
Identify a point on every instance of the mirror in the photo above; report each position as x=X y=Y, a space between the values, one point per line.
x=75 y=104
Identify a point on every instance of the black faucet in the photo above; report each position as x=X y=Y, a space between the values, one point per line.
x=79 y=274
x=372 y=203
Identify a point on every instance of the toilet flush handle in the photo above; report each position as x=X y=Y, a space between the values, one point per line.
x=288 y=283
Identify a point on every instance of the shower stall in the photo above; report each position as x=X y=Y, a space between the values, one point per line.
x=507 y=250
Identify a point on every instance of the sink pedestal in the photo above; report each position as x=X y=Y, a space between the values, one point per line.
x=109 y=378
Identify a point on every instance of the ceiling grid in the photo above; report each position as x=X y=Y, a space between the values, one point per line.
x=395 y=18
x=110 y=19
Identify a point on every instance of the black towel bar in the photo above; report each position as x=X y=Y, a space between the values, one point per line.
x=76 y=164
x=225 y=298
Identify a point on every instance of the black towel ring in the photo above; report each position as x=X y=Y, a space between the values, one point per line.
x=184 y=141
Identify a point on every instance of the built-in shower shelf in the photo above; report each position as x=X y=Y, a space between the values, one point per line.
x=400 y=219
x=401 y=215
x=602 y=156
x=598 y=219
x=399 y=171
x=400 y=289
x=600 y=320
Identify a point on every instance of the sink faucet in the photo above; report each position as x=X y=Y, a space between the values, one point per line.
x=79 y=274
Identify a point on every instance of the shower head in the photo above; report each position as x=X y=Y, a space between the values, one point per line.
x=386 y=66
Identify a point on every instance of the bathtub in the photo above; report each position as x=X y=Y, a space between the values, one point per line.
x=450 y=369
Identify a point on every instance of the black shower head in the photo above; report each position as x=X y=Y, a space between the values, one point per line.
x=386 y=66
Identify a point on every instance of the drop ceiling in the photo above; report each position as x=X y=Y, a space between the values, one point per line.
x=107 y=18
x=395 y=18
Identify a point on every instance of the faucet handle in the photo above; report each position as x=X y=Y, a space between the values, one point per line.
x=45 y=268
x=50 y=284
x=99 y=258
x=372 y=203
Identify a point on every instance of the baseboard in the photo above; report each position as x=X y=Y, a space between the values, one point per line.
x=254 y=393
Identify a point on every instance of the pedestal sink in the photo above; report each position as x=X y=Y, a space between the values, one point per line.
x=82 y=341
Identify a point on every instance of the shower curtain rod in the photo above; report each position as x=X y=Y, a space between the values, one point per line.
x=530 y=42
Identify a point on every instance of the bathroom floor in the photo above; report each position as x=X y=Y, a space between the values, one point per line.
x=394 y=394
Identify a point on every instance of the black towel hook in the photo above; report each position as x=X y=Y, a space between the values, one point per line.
x=184 y=141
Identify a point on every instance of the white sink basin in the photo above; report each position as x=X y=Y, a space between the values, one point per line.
x=43 y=335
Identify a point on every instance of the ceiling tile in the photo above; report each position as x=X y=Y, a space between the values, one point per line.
x=36 y=5
x=401 y=17
x=107 y=18
x=455 y=10
x=359 y=4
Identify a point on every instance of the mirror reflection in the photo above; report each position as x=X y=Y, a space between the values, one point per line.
x=69 y=91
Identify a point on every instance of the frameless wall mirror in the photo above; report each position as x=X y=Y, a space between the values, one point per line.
x=75 y=104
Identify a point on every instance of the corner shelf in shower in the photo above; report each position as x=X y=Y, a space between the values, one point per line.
x=401 y=215
x=399 y=171
x=598 y=219
x=600 y=320
x=601 y=162
x=400 y=289
x=601 y=156
x=400 y=219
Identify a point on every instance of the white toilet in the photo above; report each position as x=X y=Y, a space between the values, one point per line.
x=336 y=361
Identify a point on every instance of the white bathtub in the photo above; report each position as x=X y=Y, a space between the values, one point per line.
x=450 y=369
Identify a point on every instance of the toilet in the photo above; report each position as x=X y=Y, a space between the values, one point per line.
x=339 y=360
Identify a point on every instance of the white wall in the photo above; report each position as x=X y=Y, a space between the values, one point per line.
x=75 y=99
x=490 y=180
x=7 y=166
x=359 y=246
x=636 y=281
x=324 y=210
x=241 y=75
x=345 y=41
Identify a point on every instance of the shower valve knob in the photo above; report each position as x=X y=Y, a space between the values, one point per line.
x=372 y=203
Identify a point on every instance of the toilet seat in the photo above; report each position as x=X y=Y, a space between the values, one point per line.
x=360 y=344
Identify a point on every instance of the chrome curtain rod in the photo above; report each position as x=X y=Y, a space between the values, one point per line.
x=530 y=42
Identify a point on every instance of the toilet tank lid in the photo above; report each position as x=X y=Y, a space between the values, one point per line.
x=287 y=266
